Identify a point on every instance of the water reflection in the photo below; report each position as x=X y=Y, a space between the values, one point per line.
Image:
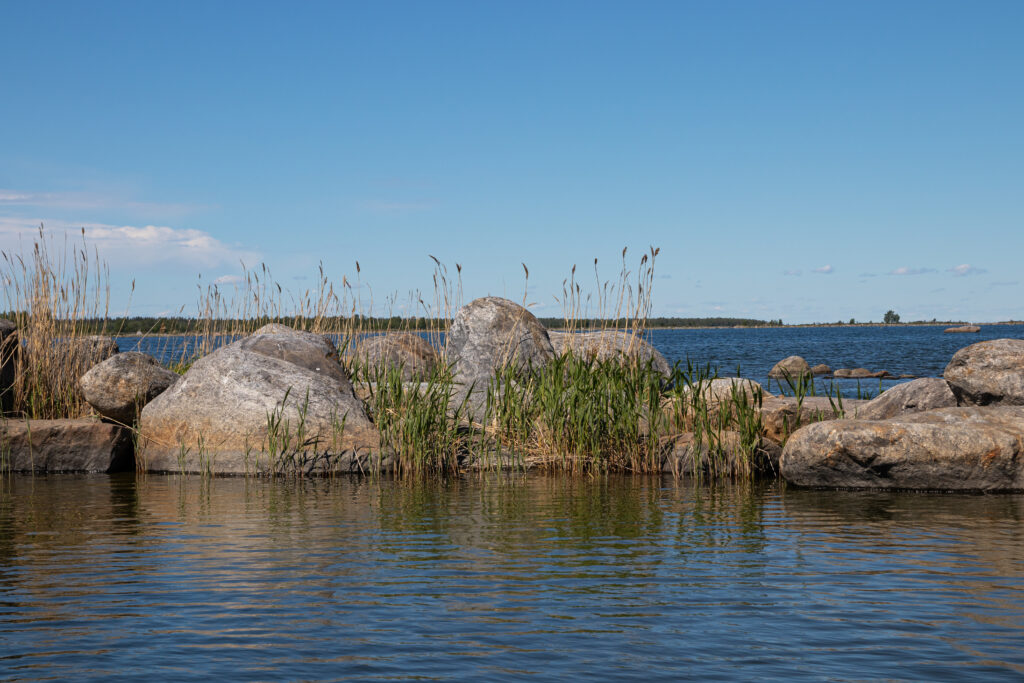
x=522 y=575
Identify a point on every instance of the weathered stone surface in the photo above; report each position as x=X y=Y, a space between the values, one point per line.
x=9 y=351
x=793 y=367
x=963 y=329
x=821 y=369
x=278 y=402
x=85 y=352
x=409 y=353
x=487 y=334
x=967 y=448
x=120 y=386
x=64 y=446
x=783 y=415
x=610 y=345
x=683 y=454
x=721 y=389
x=923 y=394
x=989 y=372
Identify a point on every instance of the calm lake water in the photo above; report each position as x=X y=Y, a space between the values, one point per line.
x=918 y=350
x=503 y=577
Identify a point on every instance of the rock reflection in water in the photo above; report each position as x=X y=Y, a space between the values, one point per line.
x=510 y=575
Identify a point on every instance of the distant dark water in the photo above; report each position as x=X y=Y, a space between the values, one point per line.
x=512 y=577
x=922 y=351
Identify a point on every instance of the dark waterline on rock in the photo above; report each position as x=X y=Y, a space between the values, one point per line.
x=918 y=350
x=520 y=576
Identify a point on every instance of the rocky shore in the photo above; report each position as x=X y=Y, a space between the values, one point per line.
x=281 y=401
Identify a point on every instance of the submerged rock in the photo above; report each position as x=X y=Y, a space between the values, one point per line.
x=88 y=445
x=406 y=352
x=821 y=369
x=269 y=403
x=923 y=394
x=120 y=386
x=963 y=329
x=610 y=345
x=989 y=372
x=967 y=448
x=791 y=367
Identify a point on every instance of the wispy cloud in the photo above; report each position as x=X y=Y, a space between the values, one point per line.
x=905 y=270
x=965 y=269
x=229 y=280
x=825 y=270
x=88 y=201
x=130 y=244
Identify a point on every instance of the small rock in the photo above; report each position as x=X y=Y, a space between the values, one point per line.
x=821 y=369
x=66 y=446
x=610 y=344
x=409 y=353
x=962 y=329
x=120 y=386
x=910 y=397
x=792 y=367
x=968 y=448
x=989 y=372
x=855 y=373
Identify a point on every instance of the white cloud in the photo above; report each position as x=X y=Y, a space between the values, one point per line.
x=86 y=201
x=905 y=270
x=130 y=245
x=965 y=269
x=229 y=280
x=825 y=270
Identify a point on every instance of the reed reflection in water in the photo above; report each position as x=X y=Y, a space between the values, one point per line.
x=520 y=576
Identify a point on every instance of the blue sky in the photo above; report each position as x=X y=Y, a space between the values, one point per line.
x=810 y=161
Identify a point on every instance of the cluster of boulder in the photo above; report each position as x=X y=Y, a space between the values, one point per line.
x=795 y=367
x=281 y=401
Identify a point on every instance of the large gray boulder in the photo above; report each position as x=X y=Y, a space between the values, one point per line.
x=486 y=335
x=408 y=353
x=278 y=402
x=724 y=388
x=989 y=372
x=120 y=386
x=87 y=445
x=9 y=352
x=792 y=367
x=919 y=395
x=967 y=448
x=604 y=345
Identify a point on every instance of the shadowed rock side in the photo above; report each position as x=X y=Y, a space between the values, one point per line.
x=917 y=396
x=410 y=353
x=42 y=446
x=988 y=373
x=793 y=367
x=278 y=402
x=9 y=349
x=966 y=448
x=120 y=386
x=488 y=334
x=608 y=345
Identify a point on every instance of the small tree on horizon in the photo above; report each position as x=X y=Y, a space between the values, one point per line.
x=891 y=317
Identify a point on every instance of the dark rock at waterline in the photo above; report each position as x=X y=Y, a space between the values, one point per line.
x=120 y=386
x=860 y=373
x=9 y=351
x=273 y=403
x=963 y=329
x=791 y=367
x=42 y=446
x=486 y=335
x=988 y=373
x=408 y=353
x=966 y=448
x=923 y=394
x=685 y=454
x=604 y=345
x=783 y=415
x=821 y=369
